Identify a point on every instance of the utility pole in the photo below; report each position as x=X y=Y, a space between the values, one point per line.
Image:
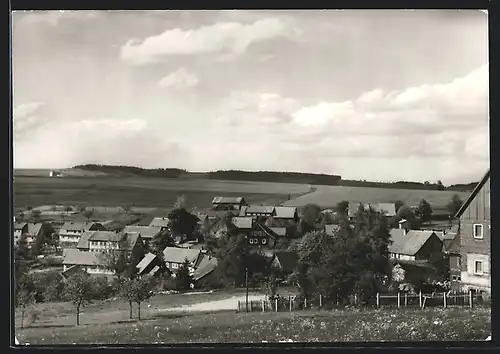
x=246 y=285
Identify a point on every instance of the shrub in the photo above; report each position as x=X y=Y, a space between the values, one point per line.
x=49 y=286
x=102 y=288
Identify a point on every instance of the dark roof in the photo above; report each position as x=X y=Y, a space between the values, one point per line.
x=257 y=209
x=285 y=212
x=146 y=261
x=409 y=243
x=279 y=231
x=131 y=239
x=109 y=236
x=34 y=229
x=20 y=225
x=144 y=231
x=76 y=226
x=207 y=265
x=243 y=210
x=287 y=260
x=84 y=240
x=178 y=255
x=473 y=194
x=227 y=200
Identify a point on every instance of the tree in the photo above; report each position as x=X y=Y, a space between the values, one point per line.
x=36 y=215
x=454 y=205
x=25 y=295
x=311 y=214
x=127 y=292
x=398 y=204
x=342 y=207
x=29 y=208
x=68 y=208
x=21 y=250
x=54 y=208
x=440 y=186
x=162 y=241
x=127 y=209
x=232 y=252
x=88 y=214
x=143 y=289
x=182 y=222
x=78 y=291
x=183 y=278
x=180 y=202
x=424 y=211
x=270 y=286
x=407 y=214
x=21 y=215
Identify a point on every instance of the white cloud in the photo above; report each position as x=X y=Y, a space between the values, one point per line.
x=231 y=38
x=54 y=18
x=28 y=117
x=179 y=79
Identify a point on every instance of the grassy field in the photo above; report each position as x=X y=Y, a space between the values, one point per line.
x=329 y=196
x=306 y=326
x=151 y=192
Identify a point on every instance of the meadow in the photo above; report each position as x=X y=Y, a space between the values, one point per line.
x=329 y=196
x=347 y=325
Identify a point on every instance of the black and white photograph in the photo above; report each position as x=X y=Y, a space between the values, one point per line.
x=250 y=176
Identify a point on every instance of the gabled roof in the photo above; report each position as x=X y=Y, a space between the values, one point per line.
x=243 y=222
x=388 y=209
x=279 y=231
x=220 y=213
x=285 y=212
x=20 y=225
x=130 y=239
x=159 y=222
x=76 y=226
x=145 y=262
x=108 y=236
x=75 y=257
x=409 y=243
x=34 y=229
x=257 y=209
x=178 y=255
x=243 y=210
x=84 y=240
x=206 y=266
x=287 y=260
x=227 y=200
x=144 y=231
x=473 y=194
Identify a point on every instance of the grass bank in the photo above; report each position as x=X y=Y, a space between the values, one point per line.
x=306 y=326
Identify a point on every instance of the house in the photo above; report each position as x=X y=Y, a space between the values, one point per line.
x=100 y=241
x=206 y=266
x=387 y=209
x=256 y=210
x=20 y=228
x=91 y=262
x=285 y=261
x=279 y=231
x=228 y=203
x=258 y=235
x=331 y=229
x=353 y=209
x=70 y=232
x=148 y=233
x=36 y=232
x=475 y=238
x=161 y=223
x=149 y=265
x=174 y=257
x=55 y=174
x=414 y=245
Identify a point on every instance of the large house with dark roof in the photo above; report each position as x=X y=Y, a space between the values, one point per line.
x=475 y=238
x=258 y=235
x=32 y=232
x=414 y=245
x=148 y=233
x=228 y=203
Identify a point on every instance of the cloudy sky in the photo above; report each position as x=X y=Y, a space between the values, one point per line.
x=379 y=95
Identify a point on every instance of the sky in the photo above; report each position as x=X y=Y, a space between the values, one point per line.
x=381 y=95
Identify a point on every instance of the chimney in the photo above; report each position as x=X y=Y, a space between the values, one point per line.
x=403 y=224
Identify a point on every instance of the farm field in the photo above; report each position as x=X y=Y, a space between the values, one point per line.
x=329 y=196
x=137 y=191
x=306 y=326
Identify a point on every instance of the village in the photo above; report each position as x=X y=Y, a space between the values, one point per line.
x=270 y=231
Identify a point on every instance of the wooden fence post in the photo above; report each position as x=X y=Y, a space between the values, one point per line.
x=399 y=300
x=238 y=306
x=305 y=303
x=355 y=299
x=337 y=297
x=320 y=301
x=262 y=304
x=420 y=298
x=470 y=298
x=378 y=300
x=444 y=299
x=290 y=302
x=276 y=302
x=406 y=299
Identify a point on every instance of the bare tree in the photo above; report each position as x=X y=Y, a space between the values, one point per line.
x=78 y=291
x=143 y=290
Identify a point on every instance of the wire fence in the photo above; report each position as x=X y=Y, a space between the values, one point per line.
x=387 y=300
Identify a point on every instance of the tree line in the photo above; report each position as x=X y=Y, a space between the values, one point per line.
x=131 y=170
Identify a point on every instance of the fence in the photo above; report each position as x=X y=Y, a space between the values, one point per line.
x=393 y=300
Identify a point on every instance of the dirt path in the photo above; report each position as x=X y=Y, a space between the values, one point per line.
x=216 y=305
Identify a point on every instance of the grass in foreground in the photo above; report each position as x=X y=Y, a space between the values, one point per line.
x=307 y=326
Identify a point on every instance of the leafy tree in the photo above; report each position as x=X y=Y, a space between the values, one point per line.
x=311 y=214
x=183 y=278
x=21 y=250
x=79 y=290
x=454 y=205
x=127 y=209
x=88 y=214
x=182 y=222
x=127 y=290
x=232 y=252
x=409 y=215
x=82 y=209
x=282 y=243
x=143 y=289
x=68 y=208
x=440 y=186
x=270 y=286
x=398 y=204
x=115 y=261
x=21 y=216
x=36 y=215
x=424 y=210
x=342 y=207
x=29 y=208
x=160 y=242
x=25 y=295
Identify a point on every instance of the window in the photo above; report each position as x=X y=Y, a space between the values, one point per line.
x=478 y=231
x=478 y=267
x=454 y=277
x=256 y=241
x=251 y=240
x=264 y=241
x=174 y=265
